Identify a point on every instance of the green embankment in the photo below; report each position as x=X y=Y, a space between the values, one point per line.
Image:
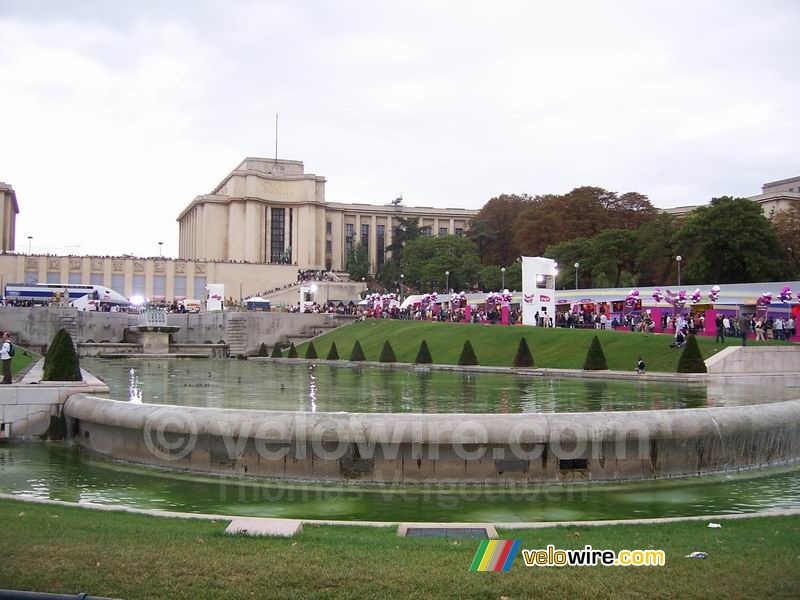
x=71 y=550
x=22 y=359
x=496 y=345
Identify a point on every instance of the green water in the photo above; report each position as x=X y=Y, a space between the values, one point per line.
x=298 y=387
x=63 y=473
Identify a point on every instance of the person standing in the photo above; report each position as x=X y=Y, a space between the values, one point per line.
x=744 y=327
x=720 y=329
x=6 y=357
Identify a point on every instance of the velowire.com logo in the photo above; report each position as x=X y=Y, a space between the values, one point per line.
x=495 y=555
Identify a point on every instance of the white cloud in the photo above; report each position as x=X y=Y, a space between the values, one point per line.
x=114 y=116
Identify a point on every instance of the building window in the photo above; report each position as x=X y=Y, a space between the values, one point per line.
x=138 y=285
x=31 y=277
x=277 y=231
x=365 y=236
x=118 y=283
x=427 y=231
x=381 y=242
x=459 y=231
x=54 y=277
x=75 y=278
x=96 y=279
x=199 y=287
x=328 y=247
x=328 y=228
x=442 y=231
x=159 y=285
x=349 y=234
x=180 y=286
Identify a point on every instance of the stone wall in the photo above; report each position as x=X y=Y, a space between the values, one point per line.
x=441 y=448
x=35 y=327
x=755 y=358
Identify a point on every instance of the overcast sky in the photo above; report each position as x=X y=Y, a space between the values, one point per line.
x=115 y=115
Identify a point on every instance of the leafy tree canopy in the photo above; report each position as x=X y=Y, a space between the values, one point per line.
x=426 y=261
x=729 y=241
x=358 y=262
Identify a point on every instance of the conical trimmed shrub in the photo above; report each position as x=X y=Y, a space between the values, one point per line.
x=277 y=350
x=292 y=351
x=61 y=361
x=595 y=357
x=262 y=350
x=524 y=358
x=467 y=355
x=311 y=352
x=387 y=353
x=691 y=360
x=333 y=353
x=424 y=355
x=357 y=354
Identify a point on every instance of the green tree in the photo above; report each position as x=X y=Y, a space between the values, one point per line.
x=387 y=353
x=491 y=229
x=358 y=262
x=311 y=352
x=729 y=241
x=524 y=357
x=691 y=360
x=277 y=350
x=426 y=261
x=595 y=357
x=787 y=228
x=655 y=257
x=262 y=350
x=467 y=355
x=333 y=353
x=357 y=354
x=292 y=351
x=61 y=361
x=423 y=355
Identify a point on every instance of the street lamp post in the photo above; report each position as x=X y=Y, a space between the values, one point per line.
x=503 y=274
x=30 y=240
x=402 y=286
x=576 y=274
x=679 y=258
x=447 y=282
x=160 y=245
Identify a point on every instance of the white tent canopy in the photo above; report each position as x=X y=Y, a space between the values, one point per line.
x=257 y=300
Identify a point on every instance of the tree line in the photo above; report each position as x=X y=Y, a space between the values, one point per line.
x=618 y=240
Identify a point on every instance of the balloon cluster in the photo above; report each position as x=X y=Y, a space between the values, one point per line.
x=657 y=295
x=713 y=295
x=458 y=299
x=680 y=299
x=632 y=297
x=373 y=300
x=498 y=297
x=764 y=299
x=786 y=294
x=428 y=299
x=696 y=296
x=386 y=299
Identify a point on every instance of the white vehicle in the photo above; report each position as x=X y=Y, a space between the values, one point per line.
x=42 y=293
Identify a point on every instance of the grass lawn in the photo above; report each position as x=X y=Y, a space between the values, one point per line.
x=23 y=358
x=71 y=550
x=496 y=345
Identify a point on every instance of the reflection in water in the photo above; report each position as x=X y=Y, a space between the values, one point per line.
x=271 y=386
x=60 y=472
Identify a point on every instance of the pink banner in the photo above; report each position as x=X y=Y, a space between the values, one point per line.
x=504 y=314
x=467 y=314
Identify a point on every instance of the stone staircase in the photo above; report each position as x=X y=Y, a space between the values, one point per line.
x=236 y=335
x=70 y=323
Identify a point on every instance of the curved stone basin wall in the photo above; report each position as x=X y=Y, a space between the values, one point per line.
x=440 y=448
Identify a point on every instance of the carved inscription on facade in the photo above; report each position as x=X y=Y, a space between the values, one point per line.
x=97 y=264
x=119 y=265
x=199 y=269
x=74 y=264
x=180 y=267
x=53 y=264
x=277 y=188
x=138 y=266
x=160 y=266
x=31 y=263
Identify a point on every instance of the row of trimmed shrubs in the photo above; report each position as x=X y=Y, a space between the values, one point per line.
x=691 y=360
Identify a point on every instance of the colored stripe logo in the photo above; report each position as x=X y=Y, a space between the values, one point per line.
x=495 y=555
